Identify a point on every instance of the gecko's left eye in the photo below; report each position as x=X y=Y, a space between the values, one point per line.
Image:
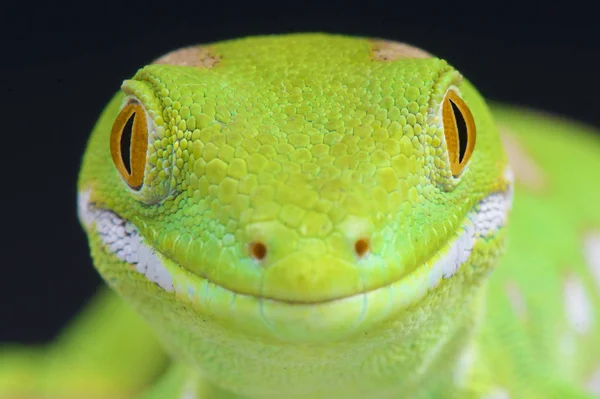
x=459 y=130
x=128 y=144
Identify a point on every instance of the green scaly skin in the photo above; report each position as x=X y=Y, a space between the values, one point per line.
x=308 y=143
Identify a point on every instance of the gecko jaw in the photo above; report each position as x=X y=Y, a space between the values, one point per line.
x=297 y=321
x=122 y=238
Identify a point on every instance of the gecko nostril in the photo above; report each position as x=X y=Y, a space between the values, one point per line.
x=258 y=250
x=361 y=247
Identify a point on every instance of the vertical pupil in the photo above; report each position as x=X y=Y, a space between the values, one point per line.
x=126 y=143
x=463 y=134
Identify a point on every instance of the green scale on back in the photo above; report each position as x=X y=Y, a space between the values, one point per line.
x=316 y=216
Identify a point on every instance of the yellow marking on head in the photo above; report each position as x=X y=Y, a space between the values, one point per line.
x=387 y=50
x=527 y=171
x=195 y=56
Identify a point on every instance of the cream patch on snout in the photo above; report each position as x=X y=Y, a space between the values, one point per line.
x=526 y=170
x=195 y=56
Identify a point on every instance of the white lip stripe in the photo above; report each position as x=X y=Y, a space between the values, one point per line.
x=485 y=220
x=123 y=239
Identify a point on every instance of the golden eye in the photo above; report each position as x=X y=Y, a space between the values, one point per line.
x=128 y=144
x=460 y=132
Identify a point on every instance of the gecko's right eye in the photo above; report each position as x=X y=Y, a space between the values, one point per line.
x=459 y=130
x=129 y=143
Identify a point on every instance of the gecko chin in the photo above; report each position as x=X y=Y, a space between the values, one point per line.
x=121 y=239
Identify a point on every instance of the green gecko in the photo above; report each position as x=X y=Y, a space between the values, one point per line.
x=316 y=216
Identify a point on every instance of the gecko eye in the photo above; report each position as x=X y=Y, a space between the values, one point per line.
x=128 y=144
x=460 y=132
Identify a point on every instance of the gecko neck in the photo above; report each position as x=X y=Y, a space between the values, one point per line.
x=440 y=372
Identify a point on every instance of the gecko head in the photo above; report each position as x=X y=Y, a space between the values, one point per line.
x=304 y=188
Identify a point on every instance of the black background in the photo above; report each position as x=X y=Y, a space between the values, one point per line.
x=60 y=65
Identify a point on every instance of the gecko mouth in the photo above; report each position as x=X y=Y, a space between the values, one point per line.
x=122 y=238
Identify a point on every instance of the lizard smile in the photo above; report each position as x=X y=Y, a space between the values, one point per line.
x=122 y=239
